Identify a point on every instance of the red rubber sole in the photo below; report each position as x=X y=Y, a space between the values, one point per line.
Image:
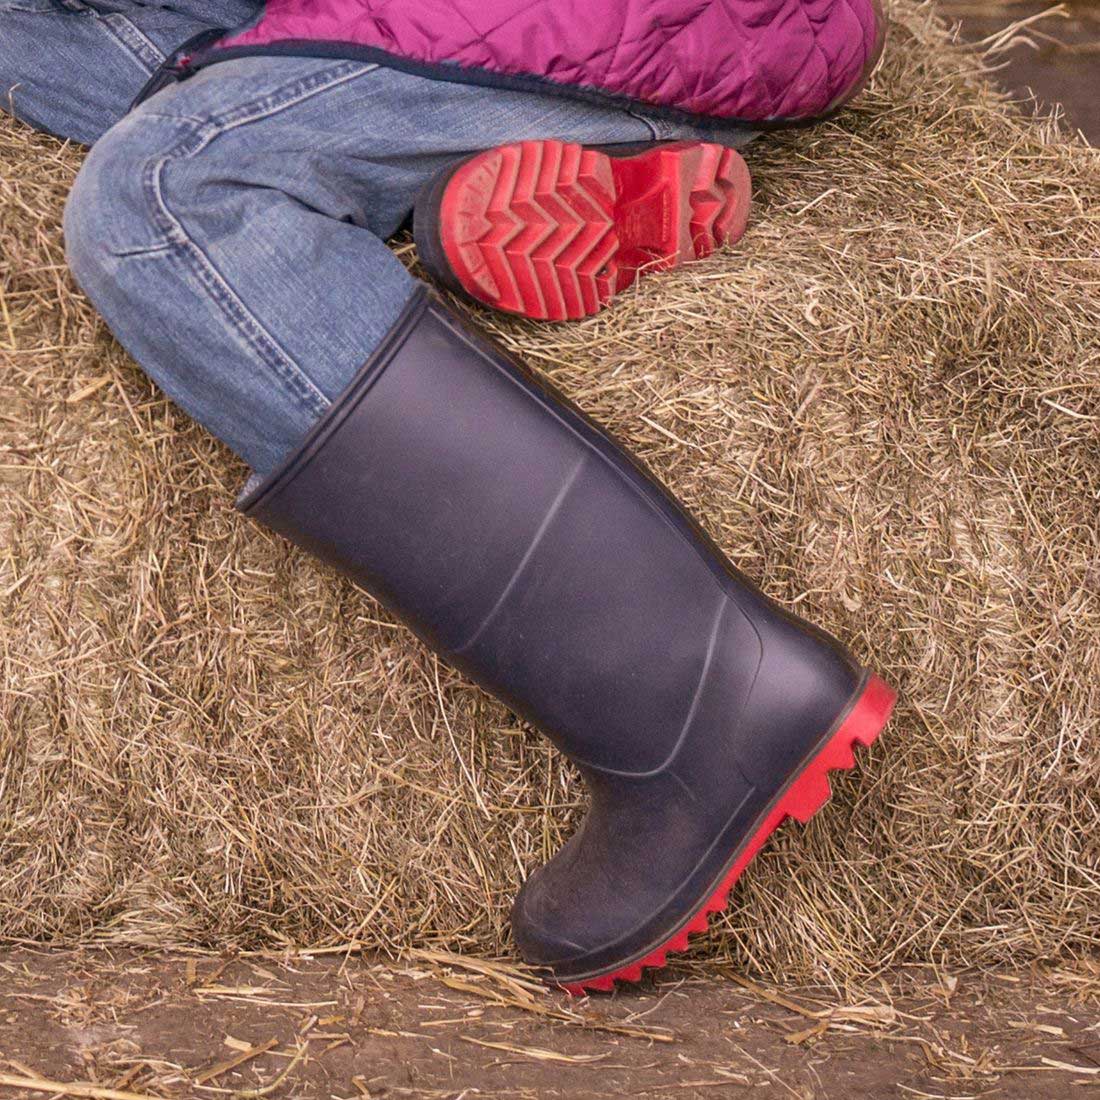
x=553 y=230
x=802 y=799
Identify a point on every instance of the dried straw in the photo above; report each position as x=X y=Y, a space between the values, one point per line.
x=884 y=405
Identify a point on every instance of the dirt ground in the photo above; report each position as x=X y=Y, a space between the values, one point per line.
x=1041 y=48
x=127 y=1025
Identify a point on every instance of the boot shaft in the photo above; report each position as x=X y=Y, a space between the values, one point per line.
x=524 y=545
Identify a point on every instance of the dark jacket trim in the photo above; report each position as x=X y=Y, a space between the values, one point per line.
x=456 y=74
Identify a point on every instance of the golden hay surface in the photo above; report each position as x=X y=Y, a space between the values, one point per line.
x=884 y=405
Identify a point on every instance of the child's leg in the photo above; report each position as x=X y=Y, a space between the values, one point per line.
x=231 y=229
x=230 y=232
x=73 y=67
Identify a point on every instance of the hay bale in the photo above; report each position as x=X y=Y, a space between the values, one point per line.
x=883 y=404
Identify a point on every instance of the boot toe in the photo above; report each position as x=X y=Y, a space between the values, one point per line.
x=532 y=920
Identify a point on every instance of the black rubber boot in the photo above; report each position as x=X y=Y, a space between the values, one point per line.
x=524 y=545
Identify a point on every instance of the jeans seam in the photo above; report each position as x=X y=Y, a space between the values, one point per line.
x=221 y=293
x=655 y=133
x=132 y=40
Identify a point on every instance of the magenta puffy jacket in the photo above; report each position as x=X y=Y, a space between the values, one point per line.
x=759 y=61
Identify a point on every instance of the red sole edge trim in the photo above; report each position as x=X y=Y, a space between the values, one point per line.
x=553 y=230
x=802 y=799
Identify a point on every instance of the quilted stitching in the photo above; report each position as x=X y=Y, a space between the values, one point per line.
x=752 y=60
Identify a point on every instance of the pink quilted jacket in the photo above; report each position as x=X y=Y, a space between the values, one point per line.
x=760 y=61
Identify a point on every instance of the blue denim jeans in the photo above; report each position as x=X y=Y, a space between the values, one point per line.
x=232 y=229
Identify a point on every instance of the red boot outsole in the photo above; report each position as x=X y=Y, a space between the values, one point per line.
x=802 y=799
x=553 y=230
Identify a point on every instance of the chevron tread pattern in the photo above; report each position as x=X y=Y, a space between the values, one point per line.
x=553 y=230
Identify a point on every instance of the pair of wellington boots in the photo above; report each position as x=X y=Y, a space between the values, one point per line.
x=531 y=551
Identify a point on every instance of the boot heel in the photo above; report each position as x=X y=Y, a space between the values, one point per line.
x=864 y=722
